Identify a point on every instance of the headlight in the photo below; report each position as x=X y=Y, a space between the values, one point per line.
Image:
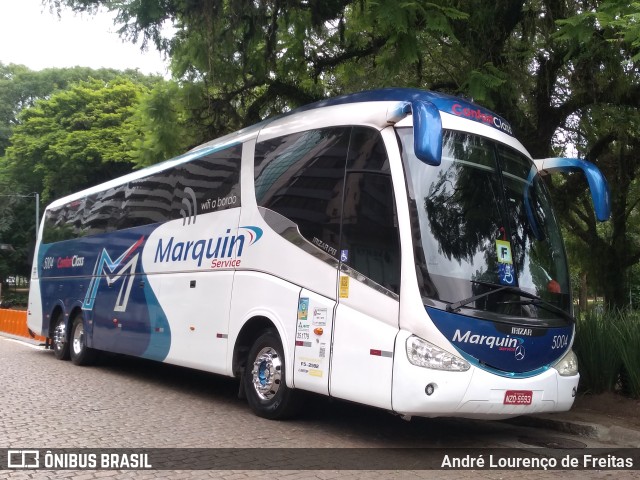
x=424 y=354
x=567 y=366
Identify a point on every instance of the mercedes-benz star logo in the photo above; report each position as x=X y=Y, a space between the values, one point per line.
x=520 y=352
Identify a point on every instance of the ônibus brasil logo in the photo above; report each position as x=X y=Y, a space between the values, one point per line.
x=113 y=270
x=216 y=249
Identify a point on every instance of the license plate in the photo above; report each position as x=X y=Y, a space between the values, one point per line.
x=518 y=397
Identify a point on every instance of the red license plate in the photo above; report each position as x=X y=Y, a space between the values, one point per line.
x=518 y=397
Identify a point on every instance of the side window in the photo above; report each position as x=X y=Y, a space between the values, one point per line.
x=367 y=151
x=146 y=200
x=301 y=177
x=103 y=211
x=63 y=223
x=370 y=242
x=206 y=184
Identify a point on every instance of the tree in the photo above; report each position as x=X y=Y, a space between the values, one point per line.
x=74 y=139
x=165 y=126
x=255 y=59
x=21 y=87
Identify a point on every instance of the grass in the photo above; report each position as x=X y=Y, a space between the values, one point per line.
x=598 y=355
x=628 y=328
x=608 y=348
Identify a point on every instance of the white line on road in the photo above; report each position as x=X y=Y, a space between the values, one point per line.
x=26 y=344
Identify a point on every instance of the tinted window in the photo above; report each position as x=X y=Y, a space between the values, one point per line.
x=370 y=243
x=301 y=177
x=203 y=185
x=367 y=151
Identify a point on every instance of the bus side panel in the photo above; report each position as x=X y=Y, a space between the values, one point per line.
x=40 y=304
x=35 y=320
x=197 y=305
x=191 y=264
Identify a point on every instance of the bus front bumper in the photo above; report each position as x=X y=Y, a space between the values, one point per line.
x=476 y=393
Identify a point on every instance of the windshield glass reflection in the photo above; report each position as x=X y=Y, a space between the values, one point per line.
x=481 y=219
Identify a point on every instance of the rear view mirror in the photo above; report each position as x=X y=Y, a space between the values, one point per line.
x=427 y=132
x=597 y=182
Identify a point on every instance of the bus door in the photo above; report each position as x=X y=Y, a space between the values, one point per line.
x=366 y=318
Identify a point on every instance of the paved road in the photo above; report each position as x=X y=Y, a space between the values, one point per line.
x=127 y=403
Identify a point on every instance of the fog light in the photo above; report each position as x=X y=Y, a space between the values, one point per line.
x=429 y=389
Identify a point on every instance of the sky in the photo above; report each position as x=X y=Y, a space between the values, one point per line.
x=31 y=35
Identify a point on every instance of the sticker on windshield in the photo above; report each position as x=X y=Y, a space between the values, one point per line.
x=506 y=274
x=503 y=249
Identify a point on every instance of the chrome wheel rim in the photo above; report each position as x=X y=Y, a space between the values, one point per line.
x=78 y=338
x=267 y=373
x=60 y=335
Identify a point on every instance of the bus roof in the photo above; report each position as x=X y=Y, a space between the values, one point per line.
x=443 y=102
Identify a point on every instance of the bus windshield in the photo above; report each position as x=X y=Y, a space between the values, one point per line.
x=486 y=240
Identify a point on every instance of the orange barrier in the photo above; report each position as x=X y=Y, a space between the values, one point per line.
x=15 y=323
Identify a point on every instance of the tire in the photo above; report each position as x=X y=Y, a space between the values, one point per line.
x=264 y=379
x=60 y=339
x=80 y=353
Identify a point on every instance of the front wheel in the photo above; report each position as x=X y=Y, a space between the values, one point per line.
x=264 y=379
x=80 y=353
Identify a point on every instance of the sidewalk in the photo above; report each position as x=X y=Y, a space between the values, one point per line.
x=606 y=417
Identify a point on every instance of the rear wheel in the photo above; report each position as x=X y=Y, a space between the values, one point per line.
x=264 y=379
x=60 y=339
x=80 y=353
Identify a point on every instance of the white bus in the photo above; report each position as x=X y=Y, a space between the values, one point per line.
x=395 y=248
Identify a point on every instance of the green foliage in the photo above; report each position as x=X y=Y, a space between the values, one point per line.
x=597 y=348
x=482 y=82
x=21 y=87
x=614 y=20
x=74 y=139
x=628 y=328
x=163 y=125
x=608 y=355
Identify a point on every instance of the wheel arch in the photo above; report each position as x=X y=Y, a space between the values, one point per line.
x=248 y=334
x=75 y=311
x=56 y=313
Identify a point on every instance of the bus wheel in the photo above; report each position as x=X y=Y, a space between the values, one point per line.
x=264 y=379
x=60 y=340
x=80 y=353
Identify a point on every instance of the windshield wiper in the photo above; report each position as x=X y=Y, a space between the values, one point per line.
x=452 y=307
x=534 y=299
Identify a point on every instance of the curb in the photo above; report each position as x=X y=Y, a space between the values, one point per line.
x=617 y=435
